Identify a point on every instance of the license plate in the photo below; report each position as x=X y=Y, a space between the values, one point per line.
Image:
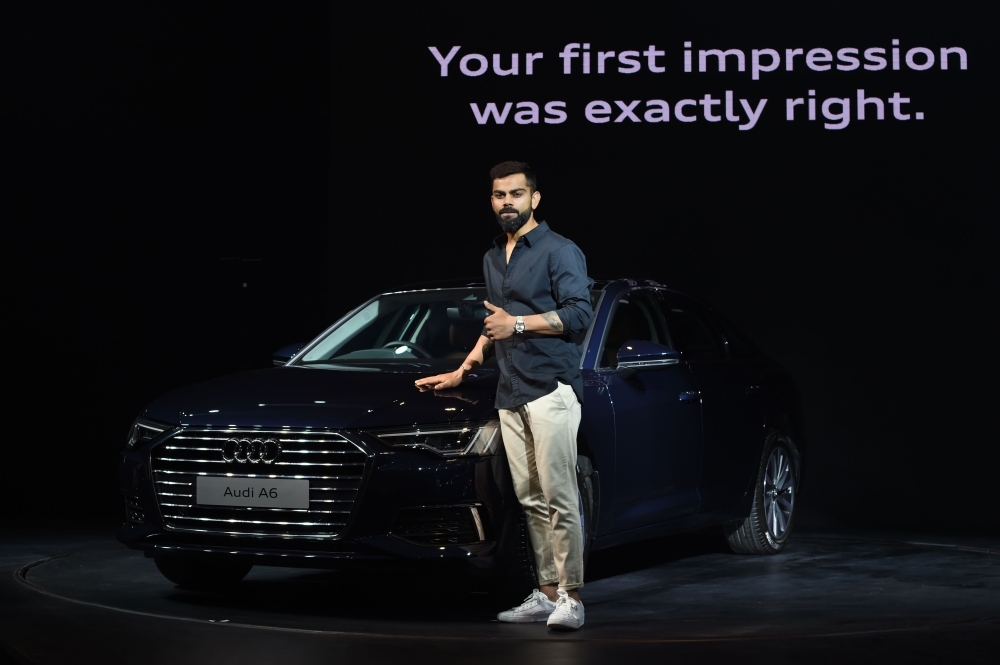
x=252 y=492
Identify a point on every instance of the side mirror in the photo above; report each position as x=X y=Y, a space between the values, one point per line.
x=283 y=355
x=636 y=355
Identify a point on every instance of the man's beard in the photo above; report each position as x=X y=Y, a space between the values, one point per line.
x=514 y=223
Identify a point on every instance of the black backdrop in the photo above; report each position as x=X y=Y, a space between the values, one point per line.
x=163 y=156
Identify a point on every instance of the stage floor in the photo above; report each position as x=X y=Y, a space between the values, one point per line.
x=79 y=597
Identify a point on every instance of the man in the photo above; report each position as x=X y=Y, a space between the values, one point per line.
x=538 y=298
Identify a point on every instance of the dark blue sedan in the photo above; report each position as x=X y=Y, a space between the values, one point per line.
x=334 y=459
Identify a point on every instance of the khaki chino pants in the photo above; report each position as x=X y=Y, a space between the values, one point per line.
x=540 y=440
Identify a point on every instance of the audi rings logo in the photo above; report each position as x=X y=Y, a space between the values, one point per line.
x=253 y=451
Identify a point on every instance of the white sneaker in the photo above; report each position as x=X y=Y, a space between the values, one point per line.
x=536 y=607
x=568 y=614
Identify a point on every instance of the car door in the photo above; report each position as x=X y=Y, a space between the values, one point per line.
x=657 y=424
x=732 y=404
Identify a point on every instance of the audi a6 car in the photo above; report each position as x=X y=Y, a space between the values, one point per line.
x=333 y=458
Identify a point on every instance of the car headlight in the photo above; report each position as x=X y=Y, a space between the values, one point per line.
x=447 y=440
x=144 y=430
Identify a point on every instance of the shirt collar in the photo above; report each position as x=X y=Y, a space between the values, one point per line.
x=531 y=237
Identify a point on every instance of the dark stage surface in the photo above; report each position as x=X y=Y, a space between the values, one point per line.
x=80 y=597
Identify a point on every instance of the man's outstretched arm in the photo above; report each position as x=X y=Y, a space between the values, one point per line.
x=475 y=358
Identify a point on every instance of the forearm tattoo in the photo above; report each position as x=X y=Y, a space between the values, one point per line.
x=553 y=320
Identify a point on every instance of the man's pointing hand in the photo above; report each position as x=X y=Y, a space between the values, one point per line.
x=499 y=324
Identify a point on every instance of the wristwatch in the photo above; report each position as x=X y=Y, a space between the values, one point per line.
x=519 y=325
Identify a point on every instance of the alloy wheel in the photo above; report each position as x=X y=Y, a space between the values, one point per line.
x=779 y=492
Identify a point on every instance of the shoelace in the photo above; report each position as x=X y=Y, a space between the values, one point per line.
x=566 y=601
x=531 y=600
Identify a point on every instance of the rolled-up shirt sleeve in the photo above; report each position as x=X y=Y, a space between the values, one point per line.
x=571 y=288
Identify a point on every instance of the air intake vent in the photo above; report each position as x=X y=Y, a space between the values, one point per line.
x=333 y=465
x=439 y=525
x=133 y=510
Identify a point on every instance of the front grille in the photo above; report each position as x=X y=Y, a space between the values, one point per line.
x=439 y=525
x=333 y=465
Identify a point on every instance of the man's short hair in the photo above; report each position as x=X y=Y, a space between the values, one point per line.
x=505 y=169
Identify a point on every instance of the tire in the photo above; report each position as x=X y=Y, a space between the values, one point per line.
x=769 y=525
x=518 y=574
x=203 y=572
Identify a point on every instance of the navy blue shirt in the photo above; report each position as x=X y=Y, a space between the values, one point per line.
x=547 y=273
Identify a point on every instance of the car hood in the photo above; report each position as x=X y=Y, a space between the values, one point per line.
x=327 y=397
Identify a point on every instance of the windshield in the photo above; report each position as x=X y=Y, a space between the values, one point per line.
x=437 y=324
x=434 y=324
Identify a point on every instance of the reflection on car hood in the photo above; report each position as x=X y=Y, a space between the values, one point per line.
x=326 y=397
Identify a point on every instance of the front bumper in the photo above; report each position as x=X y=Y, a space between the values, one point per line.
x=396 y=483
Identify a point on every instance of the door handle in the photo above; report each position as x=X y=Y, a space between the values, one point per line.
x=754 y=390
x=690 y=397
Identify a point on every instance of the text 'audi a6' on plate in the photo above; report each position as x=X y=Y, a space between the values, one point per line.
x=334 y=459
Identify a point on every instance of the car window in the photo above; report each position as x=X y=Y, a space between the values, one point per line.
x=636 y=316
x=689 y=330
x=399 y=327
